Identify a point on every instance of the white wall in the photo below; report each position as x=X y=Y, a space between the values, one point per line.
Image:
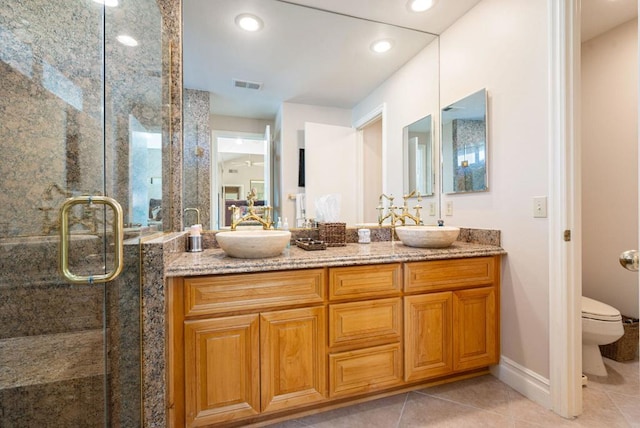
x=501 y=45
x=290 y=126
x=610 y=166
x=239 y=124
x=410 y=94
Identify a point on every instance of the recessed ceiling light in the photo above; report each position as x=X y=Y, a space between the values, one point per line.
x=249 y=22
x=109 y=3
x=381 y=46
x=420 y=5
x=127 y=40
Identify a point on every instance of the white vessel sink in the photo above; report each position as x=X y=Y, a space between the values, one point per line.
x=427 y=236
x=253 y=244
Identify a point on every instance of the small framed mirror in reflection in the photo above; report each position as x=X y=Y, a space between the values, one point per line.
x=464 y=145
x=418 y=156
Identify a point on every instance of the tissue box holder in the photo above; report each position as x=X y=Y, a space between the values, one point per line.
x=333 y=234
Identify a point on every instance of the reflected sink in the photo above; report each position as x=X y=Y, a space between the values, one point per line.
x=253 y=244
x=427 y=236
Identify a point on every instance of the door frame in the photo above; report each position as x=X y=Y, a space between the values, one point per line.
x=565 y=268
x=379 y=112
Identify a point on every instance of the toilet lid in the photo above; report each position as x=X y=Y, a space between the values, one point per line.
x=596 y=310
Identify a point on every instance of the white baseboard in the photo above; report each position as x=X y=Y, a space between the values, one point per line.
x=525 y=381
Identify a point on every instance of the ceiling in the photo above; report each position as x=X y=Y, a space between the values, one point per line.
x=302 y=55
x=600 y=16
x=310 y=56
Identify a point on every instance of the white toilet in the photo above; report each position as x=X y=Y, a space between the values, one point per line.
x=601 y=324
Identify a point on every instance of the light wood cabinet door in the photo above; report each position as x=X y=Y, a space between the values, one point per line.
x=293 y=357
x=222 y=381
x=428 y=335
x=475 y=334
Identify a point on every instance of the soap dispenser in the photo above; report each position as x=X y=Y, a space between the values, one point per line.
x=194 y=244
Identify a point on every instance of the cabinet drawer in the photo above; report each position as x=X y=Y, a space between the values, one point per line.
x=370 y=322
x=211 y=295
x=365 y=370
x=449 y=274
x=365 y=281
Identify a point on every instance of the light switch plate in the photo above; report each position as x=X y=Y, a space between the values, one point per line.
x=449 y=210
x=540 y=207
x=432 y=208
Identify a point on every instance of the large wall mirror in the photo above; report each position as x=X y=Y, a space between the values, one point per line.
x=417 y=143
x=464 y=145
x=303 y=66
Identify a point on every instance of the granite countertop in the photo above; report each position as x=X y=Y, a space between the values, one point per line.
x=215 y=261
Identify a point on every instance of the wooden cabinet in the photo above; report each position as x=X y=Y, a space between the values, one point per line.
x=222 y=369
x=245 y=348
x=293 y=362
x=475 y=334
x=240 y=366
x=240 y=360
x=365 y=370
x=365 y=336
x=428 y=335
x=450 y=331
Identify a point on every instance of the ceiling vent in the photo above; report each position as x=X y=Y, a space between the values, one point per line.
x=247 y=84
x=233 y=171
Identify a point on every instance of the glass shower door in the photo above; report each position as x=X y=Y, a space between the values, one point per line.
x=70 y=353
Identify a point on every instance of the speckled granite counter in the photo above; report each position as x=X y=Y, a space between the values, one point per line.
x=215 y=261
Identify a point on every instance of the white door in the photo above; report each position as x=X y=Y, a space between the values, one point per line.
x=333 y=150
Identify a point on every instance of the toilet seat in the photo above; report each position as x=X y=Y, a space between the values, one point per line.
x=595 y=310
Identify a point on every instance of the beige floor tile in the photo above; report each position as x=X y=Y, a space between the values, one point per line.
x=428 y=411
x=622 y=378
x=599 y=411
x=382 y=413
x=288 y=424
x=525 y=410
x=485 y=392
x=629 y=406
x=612 y=402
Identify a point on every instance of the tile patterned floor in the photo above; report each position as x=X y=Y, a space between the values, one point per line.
x=610 y=402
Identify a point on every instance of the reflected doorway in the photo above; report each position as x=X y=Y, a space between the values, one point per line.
x=240 y=165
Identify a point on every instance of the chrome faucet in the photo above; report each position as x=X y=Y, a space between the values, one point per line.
x=251 y=215
x=197 y=211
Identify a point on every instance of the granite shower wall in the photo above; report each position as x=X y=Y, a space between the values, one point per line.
x=67 y=91
x=51 y=99
x=51 y=104
x=467 y=134
x=197 y=156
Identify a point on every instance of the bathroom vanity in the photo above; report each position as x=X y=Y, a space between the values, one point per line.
x=272 y=339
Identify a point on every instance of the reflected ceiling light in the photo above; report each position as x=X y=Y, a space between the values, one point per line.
x=381 y=46
x=249 y=22
x=127 y=40
x=108 y=3
x=420 y=5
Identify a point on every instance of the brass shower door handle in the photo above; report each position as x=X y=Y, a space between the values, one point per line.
x=630 y=260
x=118 y=239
